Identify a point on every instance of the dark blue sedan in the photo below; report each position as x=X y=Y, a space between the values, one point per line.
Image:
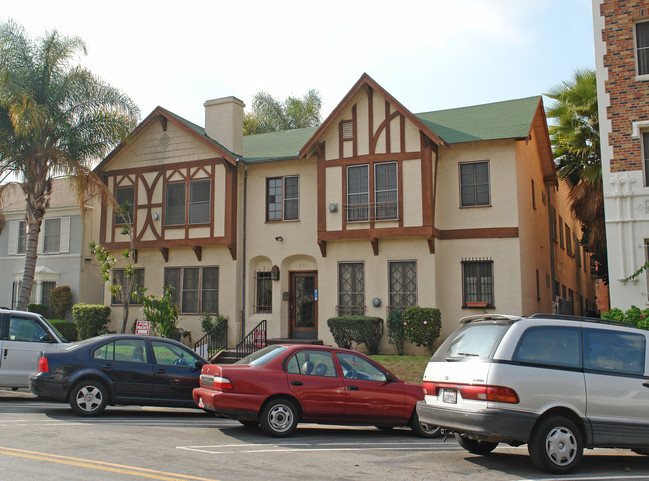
x=118 y=369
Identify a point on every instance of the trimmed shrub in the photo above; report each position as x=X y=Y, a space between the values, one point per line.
x=423 y=325
x=60 y=301
x=67 y=328
x=41 y=309
x=396 y=330
x=92 y=319
x=347 y=330
x=207 y=323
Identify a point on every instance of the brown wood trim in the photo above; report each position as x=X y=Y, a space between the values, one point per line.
x=163 y=122
x=170 y=243
x=168 y=168
x=354 y=132
x=402 y=128
x=428 y=203
x=321 y=189
x=385 y=125
x=165 y=253
x=480 y=233
x=375 y=245
x=368 y=158
x=370 y=115
x=323 y=247
x=198 y=251
x=431 y=244
x=388 y=146
x=400 y=192
x=341 y=142
x=232 y=177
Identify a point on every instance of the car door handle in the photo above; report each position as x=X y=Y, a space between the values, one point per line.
x=108 y=366
x=5 y=353
x=297 y=383
x=645 y=384
x=160 y=371
x=352 y=388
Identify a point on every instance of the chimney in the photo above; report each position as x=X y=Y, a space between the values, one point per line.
x=224 y=122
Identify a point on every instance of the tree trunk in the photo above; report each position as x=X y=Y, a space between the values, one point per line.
x=31 y=254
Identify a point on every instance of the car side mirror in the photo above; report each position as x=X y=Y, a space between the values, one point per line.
x=198 y=364
x=390 y=378
x=47 y=338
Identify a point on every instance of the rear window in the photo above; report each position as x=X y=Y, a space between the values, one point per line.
x=262 y=356
x=471 y=341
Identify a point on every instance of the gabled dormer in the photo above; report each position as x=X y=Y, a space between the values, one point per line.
x=376 y=169
x=180 y=179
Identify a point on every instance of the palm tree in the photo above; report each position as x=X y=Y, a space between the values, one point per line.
x=270 y=115
x=576 y=147
x=56 y=118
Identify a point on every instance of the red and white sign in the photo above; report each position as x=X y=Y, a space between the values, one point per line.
x=142 y=327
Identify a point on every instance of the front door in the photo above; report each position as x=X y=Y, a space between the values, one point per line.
x=303 y=299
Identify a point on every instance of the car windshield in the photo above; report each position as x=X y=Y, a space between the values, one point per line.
x=261 y=357
x=56 y=331
x=78 y=344
x=473 y=341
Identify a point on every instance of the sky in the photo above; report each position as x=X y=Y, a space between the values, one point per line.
x=429 y=54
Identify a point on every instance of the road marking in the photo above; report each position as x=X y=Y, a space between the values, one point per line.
x=100 y=465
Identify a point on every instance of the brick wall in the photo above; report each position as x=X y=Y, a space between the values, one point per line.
x=629 y=98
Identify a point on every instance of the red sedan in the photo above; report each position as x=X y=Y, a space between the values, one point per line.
x=279 y=386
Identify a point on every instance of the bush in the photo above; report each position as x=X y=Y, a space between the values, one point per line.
x=92 y=319
x=41 y=309
x=162 y=312
x=207 y=323
x=396 y=329
x=60 y=301
x=347 y=330
x=67 y=328
x=422 y=325
x=634 y=316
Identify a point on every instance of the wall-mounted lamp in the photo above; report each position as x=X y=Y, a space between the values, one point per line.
x=274 y=273
x=376 y=302
x=333 y=207
x=279 y=238
x=156 y=216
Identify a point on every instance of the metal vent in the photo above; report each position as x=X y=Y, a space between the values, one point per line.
x=164 y=141
x=348 y=130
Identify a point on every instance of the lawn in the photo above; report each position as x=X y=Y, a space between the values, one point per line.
x=408 y=368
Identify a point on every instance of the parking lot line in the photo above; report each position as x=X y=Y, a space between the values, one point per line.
x=100 y=465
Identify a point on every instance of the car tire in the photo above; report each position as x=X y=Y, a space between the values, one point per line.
x=475 y=446
x=555 y=445
x=88 y=398
x=424 y=430
x=279 y=418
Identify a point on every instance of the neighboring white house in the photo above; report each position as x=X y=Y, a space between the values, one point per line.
x=622 y=65
x=63 y=257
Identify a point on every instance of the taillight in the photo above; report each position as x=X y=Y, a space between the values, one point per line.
x=479 y=392
x=43 y=365
x=216 y=382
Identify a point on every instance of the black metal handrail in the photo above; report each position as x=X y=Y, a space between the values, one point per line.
x=255 y=340
x=214 y=341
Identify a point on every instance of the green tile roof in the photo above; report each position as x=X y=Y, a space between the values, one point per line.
x=499 y=120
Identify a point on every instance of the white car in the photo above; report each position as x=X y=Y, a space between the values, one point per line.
x=558 y=383
x=23 y=335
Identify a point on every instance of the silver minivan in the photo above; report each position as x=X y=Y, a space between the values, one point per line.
x=22 y=336
x=558 y=383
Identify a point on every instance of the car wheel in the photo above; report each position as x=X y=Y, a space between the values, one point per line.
x=474 y=446
x=89 y=398
x=279 y=417
x=424 y=430
x=249 y=423
x=556 y=445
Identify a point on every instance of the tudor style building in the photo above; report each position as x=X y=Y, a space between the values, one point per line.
x=378 y=207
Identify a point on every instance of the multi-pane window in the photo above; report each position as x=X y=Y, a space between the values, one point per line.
x=386 y=191
x=176 y=204
x=22 y=237
x=642 y=47
x=264 y=294
x=403 y=284
x=199 y=201
x=478 y=283
x=474 y=184
x=282 y=198
x=194 y=289
x=52 y=235
x=358 y=193
x=139 y=284
x=351 y=288
x=568 y=241
x=46 y=290
x=124 y=195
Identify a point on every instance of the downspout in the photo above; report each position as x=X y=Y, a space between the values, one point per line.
x=552 y=261
x=243 y=253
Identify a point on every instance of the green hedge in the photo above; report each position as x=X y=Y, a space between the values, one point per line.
x=422 y=325
x=347 y=330
x=60 y=301
x=92 y=319
x=41 y=309
x=67 y=328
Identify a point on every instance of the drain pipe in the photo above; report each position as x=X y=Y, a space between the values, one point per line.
x=243 y=253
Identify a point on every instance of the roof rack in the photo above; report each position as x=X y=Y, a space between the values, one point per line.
x=568 y=317
x=489 y=317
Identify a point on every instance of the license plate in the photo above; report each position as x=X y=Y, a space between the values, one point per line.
x=449 y=396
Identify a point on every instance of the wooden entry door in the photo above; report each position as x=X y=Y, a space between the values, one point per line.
x=303 y=299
